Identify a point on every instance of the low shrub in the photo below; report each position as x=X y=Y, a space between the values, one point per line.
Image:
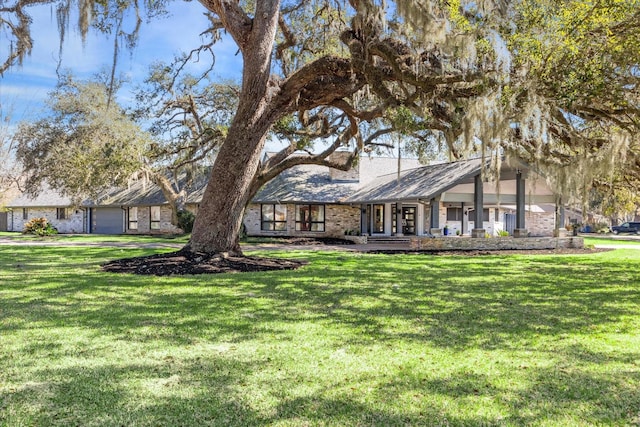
x=185 y=220
x=39 y=227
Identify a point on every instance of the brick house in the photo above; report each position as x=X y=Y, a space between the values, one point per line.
x=371 y=198
x=443 y=199
x=140 y=208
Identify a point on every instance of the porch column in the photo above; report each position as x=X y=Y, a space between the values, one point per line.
x=463 y=221
x=434 y=220
x=399 y=219
x=370 y=219
x=559 y=218
x=363 y=220
x=520 y=230
x=478 y=205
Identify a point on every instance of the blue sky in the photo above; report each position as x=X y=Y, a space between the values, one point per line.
x=24 y=88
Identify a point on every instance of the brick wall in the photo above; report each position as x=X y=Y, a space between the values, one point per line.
x=144 y=221
x=540 y=223
x=338 y=218
x=73 y=224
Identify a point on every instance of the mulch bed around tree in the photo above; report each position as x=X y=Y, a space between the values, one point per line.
x=186 y=262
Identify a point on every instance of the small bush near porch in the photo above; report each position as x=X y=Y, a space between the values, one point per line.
x=350 y=339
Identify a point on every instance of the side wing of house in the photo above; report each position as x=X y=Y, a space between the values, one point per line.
x=57 y=209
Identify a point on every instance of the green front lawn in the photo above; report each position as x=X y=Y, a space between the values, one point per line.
x=351 y=339
x=622 y=241
x=99 y=238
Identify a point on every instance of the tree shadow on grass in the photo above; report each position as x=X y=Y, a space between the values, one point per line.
x=450 y=305
x=166 y=393
x=216 y=390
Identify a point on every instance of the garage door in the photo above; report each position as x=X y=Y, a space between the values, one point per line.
x=107 y=221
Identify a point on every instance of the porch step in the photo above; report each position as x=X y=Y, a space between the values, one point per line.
x=389 y=239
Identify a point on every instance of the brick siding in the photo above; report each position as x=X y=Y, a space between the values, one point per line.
x=75 y=222
x=338 y=219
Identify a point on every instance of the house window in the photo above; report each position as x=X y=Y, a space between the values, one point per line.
x=132 y=213
x=309 y=217
x=496 y=215
x=273 y=217
x=454 y=214
x=61 y=213
x=485 y=215
x=378 y=218
x=155 y=217
x=25 y=213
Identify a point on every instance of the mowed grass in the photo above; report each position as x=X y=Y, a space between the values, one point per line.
x=595 y=240
x=349 y=340
x=128 y=239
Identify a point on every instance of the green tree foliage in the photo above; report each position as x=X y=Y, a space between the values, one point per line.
x=576 y=90
x=85 y=146
x=81 y=151
x=187 y=115
x=615 y=199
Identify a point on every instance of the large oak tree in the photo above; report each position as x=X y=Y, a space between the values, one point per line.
x=555 y=82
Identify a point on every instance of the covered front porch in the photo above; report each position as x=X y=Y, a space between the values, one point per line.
x=453 y=199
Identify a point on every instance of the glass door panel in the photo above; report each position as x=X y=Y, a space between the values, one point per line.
x=408 y=220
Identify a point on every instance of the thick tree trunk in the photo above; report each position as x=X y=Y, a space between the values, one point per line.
x=219 y=217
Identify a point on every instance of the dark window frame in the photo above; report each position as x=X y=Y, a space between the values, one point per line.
x=394 y=218
x=132 y=221
x=375 y=229
x=304 y=224
x=61 y=213
x=454 y=214
x=485 y=215
x=274 y=224
x=154 y=224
